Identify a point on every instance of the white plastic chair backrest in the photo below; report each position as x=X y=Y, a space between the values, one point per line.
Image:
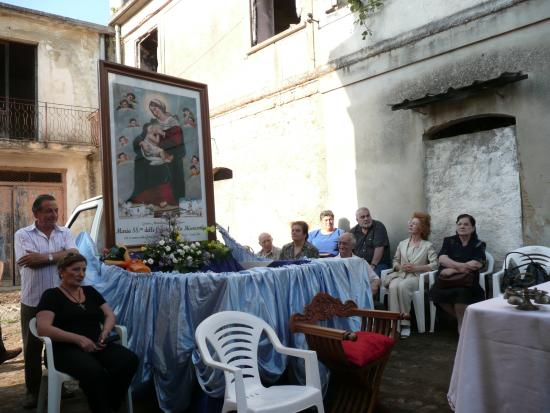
x=234 y=336
x=537 y=253
x=490 y=262
x=47 y=343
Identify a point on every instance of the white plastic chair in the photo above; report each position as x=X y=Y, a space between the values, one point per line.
x=482 y=276
x=52 y=379
x=538 y=253
x=234 y=337
x=417 y=299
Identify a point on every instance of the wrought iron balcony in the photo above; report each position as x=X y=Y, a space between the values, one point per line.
x=23 y=120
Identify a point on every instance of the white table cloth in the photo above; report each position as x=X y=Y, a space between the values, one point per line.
x=502 y=363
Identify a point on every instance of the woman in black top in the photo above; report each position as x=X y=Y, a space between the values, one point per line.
x=462 y=252
x=71 y=315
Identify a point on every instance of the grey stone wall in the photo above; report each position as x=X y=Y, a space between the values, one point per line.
x=476 y=174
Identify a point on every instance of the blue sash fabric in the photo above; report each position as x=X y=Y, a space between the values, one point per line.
x=162 y=310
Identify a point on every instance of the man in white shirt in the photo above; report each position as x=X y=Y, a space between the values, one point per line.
x=268 y=249
x=346 y=244
x=38 y=247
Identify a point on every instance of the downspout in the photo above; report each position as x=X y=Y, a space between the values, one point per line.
x=118 y=46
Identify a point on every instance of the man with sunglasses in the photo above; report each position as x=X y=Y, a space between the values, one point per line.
x=38 y=247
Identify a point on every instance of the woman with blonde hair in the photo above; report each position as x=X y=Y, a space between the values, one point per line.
x=413 y=256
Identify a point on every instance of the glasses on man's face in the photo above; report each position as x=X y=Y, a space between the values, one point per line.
x=344 y=243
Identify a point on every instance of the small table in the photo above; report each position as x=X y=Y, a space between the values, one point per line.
x=502 y=362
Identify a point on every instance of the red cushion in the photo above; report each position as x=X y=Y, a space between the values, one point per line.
x=367 y=348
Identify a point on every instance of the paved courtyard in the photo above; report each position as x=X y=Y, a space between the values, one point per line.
x=415 y=380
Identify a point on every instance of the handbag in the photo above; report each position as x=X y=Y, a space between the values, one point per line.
x=458 y=279
x=534 y=273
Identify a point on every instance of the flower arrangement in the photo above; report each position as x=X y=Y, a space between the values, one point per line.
x=173 y=252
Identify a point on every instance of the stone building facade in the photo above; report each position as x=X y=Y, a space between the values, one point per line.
x=49 y=131
x=301 y=109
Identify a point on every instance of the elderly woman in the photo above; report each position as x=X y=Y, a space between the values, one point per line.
x=413 y=256
x=78 y=320
x=325 y=239
x=462 y=253
x=299 y=247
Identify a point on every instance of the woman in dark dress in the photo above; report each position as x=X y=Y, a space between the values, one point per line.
x=461 y=253
x=71 y=315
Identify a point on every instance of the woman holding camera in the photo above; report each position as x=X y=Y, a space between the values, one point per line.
x=78 y=321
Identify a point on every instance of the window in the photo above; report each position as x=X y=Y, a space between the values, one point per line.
x=83 y=222
x=271 y=17
x=17 y=90
x=147 y=51
x=473 y=124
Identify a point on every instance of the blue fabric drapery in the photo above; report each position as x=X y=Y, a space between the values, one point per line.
x=162 y=310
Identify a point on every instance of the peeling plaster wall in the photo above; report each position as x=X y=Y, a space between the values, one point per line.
x=389 y=154
x=72 y=162
x=67 y=56
x=278 y=168
x=476 y=174
x=360 y=152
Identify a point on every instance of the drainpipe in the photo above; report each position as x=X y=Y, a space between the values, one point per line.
x=102 y=46
x=118 y=57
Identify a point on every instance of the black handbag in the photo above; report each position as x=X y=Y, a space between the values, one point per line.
x=458 y=279
x=533 y=273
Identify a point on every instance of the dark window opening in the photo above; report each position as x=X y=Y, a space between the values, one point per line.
x=470 y=125
x=271 y=17
x=336 y=5
x=148 y=46
x=17 y=91
x=30 y=176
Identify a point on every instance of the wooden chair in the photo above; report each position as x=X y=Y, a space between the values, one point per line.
x=352 y=388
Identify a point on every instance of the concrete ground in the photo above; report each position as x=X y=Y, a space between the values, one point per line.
x=416 y=378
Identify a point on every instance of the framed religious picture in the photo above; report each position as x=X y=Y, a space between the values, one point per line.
x=156 y=155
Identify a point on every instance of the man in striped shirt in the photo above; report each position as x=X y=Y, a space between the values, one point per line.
x=38 y=247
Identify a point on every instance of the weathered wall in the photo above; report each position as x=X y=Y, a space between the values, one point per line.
x=278 y=166
x=475 y=174
x=388 y=145
x=80 y=179
x=67 y=56
x=360 y=152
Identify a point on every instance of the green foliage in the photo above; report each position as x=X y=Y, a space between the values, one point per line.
x=363 y=9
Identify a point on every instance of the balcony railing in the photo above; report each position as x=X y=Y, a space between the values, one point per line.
x=48 y=122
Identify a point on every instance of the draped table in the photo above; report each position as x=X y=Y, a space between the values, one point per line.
x=502 y=362
x=162 y=310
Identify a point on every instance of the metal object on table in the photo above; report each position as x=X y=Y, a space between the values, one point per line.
x=521 y=297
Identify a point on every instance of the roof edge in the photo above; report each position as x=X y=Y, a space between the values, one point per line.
x=127 y=11
x=68 y=20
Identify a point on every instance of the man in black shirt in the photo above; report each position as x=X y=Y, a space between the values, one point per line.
x=372 y=241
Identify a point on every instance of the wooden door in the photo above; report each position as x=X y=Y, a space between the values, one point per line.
x=16 y=203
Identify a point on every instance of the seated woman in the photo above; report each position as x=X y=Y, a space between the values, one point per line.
x=413 y=256
x=299 y=247
x=71 y=315
x=325 y=239
x=461 y=253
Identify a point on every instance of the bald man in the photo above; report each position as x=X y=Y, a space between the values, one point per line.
x=268 y=250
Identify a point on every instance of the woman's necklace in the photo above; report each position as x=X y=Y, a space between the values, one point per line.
x=78 y=302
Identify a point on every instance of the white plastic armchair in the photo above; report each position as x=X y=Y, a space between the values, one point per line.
x=417 y=299
x=234 y=337
x=538 y=253
x=53 y=379
x=482 y=276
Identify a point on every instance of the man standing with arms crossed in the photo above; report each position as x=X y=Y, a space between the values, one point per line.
x=38 y=247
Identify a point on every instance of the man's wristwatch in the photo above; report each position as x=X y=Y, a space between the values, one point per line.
x=50 y=258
